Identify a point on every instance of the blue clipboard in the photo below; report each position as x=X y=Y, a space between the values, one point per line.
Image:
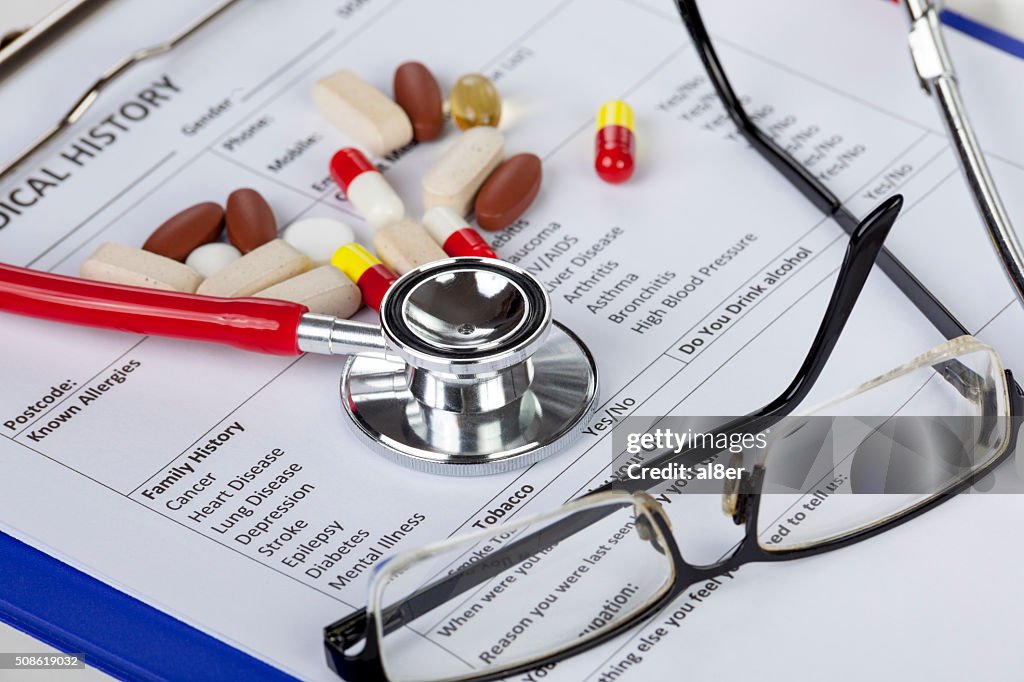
x=128 y=639
x=115 y=633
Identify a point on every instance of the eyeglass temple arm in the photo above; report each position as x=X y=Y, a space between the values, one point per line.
x=345 y=632
x=794 y=172
x=864 y=246
x=804 y=181
x=938 y=78
x=866 y=243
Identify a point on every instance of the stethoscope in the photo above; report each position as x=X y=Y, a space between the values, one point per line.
x=467 y=373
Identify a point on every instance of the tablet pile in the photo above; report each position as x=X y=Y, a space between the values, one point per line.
x=253 y=262
x=235 y=250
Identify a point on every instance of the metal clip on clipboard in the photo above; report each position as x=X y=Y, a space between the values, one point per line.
x=60 y=21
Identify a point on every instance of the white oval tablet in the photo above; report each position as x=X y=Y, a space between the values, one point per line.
x=122 y=264
x=261 y=268
x=457 y=176
x=363 y=112
x=324 y=290
x=405 y=245
x=209 y=259
x=318 y=238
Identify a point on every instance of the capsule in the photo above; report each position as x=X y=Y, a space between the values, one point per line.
x=475 y=102
x=366 y=188
x=369 y=274
x=454 y=234
x=615 y=146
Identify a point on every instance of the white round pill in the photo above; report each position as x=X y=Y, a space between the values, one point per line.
x=209 y=259
x=318 y=238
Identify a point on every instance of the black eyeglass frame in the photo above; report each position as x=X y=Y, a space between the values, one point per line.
x=803 y=180
x=865 y=250
x=864 y=246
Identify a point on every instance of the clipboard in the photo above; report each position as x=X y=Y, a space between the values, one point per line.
x=120 y=635
x=114 y=632
x=986 y=34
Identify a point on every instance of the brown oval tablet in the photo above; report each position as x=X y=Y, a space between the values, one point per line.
x=250 y=220
x=417 y=92
x=184 y=231
x=508 y=192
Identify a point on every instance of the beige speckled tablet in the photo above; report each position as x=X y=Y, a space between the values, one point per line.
x=362 y=111
x=457 y=176
x=262 y=267
x=123 y=264
x=405 y=245
x=325 y=290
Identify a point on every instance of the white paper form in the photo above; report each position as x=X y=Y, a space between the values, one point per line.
x=629 y=269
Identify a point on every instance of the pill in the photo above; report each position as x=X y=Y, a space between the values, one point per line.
x=454 y=234
x=249 y=219
x=615 y=144
x=417 y=92
x=362 y=112
x=209 y=259
x=366 y=188
x=318 y=238
x=475 y=102
x=257 y=270
x=508 y=192
x=454 y=180
x=180 y=234
x=370 y=275
x=123 y=264
x=405 y=246
x=325 y=290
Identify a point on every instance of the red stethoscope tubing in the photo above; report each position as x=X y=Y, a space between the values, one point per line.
x=255 y=324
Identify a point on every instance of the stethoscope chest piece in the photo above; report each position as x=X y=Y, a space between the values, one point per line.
x=477 y=378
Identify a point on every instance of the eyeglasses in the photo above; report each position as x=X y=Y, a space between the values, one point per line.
x=532 y=593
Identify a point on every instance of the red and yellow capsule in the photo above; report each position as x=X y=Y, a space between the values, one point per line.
x=454 y=235
x=615 y=146
x=363 y=268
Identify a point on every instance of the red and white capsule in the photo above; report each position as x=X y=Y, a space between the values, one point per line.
x=366 y=188
x=454 y=235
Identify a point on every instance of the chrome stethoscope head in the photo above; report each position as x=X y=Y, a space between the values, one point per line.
x=465 y=316
x=475 y=378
